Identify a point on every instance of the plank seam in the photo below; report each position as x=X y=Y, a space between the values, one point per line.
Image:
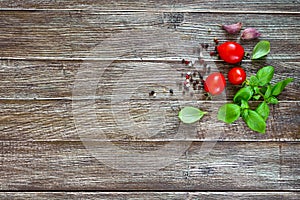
x=151 y=10
x=107 y=99
x=127 y=60
x=286 y=141
x=156 y=191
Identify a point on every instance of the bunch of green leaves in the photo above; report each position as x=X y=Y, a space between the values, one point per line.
x=258 y=87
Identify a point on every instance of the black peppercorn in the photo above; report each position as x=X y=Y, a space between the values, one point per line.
x=152 y=93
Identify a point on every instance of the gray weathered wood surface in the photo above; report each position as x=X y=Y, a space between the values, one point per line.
x=150 y=195
x=44 y=45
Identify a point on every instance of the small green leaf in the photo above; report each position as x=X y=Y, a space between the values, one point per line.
x=264 y=110
x=264 y=89
x=256 y=97
x=229 y=113
x=243 y=94
x=278 y=87
x=265 y=75
x=268 y=92
x=190 y=114
x=256 y=90
x=255 y=121
x=244 y=104
x=272 y=100
x=245 y=113
x=253 y=81
x=261 y=49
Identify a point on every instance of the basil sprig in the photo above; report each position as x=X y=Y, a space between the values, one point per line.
x=256 y=88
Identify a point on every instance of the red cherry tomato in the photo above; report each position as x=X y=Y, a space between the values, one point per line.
x=215 y=83
x=236 y=76
x=231 y=52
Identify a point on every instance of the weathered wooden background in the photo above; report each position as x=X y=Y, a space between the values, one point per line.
x=43 y=46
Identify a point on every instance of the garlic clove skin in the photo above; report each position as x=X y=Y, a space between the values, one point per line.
x=249 y=34
x=232 y=28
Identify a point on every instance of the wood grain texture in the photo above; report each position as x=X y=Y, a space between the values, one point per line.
x=21 y=79
x=189 y=5
x=76 y=35
x=229 y=166
x=75 y=78
x=55 y=121
x=152 y=195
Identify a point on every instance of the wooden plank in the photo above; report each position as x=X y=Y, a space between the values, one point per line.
x=124 y=120
x=22 y=79
x=151 y=195
x=198 y=5
x=76 y=35
x=266 y=166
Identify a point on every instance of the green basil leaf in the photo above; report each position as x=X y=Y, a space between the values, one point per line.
x=229 y=113
x=256 y=97
x=253 y=81
x=190 y=114
x=245 y=113
x=264 y=110
x=278 y=87
x=255 y=121
x=265 y=75
x=244 y=104
x=272 y=100
x=243 y=94
x=263 y=89
x=261 y=49
x=268 y=92
x=256 y=90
